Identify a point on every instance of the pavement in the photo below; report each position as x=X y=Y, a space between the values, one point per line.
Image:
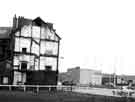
x=97 y=91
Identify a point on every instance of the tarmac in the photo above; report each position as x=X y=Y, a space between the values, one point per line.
x=97 y=91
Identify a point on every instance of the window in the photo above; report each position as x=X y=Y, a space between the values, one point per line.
x=48 y=68
x=24 y=66
x=24 y=50
x=5 y=80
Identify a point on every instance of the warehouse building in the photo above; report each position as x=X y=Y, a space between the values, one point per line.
x=81 y=76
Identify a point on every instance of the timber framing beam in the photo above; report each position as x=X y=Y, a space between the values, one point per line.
x=32 y=54
x=50 y=40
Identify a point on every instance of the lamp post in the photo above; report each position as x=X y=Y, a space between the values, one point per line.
x=59 y=67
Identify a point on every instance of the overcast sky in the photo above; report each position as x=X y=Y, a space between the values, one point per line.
x=96 y=34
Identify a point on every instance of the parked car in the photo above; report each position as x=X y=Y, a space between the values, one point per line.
x=124 y=91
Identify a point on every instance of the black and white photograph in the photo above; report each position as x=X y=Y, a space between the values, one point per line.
x=67 y=51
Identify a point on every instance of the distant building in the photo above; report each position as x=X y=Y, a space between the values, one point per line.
x=107 y=78
x=80 y=76
x=118 y=79
x=34 y=52
x=125 y=79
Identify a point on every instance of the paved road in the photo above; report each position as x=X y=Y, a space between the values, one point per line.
x=98 y=91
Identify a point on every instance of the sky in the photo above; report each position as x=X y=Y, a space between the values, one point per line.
x=96 y=34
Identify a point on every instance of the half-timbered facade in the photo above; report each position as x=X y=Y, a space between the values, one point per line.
x=35 y=51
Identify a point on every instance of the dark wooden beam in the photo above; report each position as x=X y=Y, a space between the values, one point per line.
x=49 y=40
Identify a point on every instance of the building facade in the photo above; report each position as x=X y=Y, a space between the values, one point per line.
x=34 y=52
x=80 y=76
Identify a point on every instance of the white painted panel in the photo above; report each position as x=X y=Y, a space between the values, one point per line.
x=37 y=64
x=43 y=46
x=48 y=61
x=17 y=33
x=42 y=63
x=16 y=60
x=31 y=60
x=46 y=33
x=50 y=35
x=17 y=44
x=35 y=48
x=56 y=38
x=25 y=43
x=43 y=32
x=17 y=77
x=51 y=47
x=35 y=32
x=37 y=40
x=26 y=31
x=51 y=62
x=22 y=43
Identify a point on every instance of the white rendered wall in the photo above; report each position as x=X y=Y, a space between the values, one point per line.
x=22 y=43
x=90 y=77
x=19 y=77
x=26 y=31
x=47 y=47
x=48 y=61
x=85 y=77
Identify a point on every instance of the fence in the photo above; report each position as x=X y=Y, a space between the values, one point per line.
x=37 y=87
x=65 y=96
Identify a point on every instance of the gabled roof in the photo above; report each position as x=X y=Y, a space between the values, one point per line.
x=40 y=22
x=37 y=21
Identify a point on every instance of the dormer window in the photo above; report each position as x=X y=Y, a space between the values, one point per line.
x=24 y=50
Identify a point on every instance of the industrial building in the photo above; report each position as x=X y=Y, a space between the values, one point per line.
x=34 y=52
x=81 y=76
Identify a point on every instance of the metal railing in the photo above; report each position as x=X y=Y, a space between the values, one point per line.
x=38 y=87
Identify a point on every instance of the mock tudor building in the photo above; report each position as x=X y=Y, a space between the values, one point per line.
x=34 y=53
